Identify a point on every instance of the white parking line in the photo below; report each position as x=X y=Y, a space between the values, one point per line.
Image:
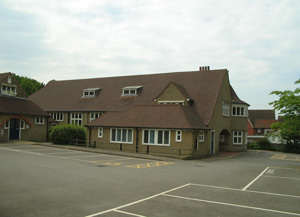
x=234 y=205
x=254 y=180
x=139 y=201
x=128 y=213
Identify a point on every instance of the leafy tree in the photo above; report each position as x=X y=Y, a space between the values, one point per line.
x=288 y=105
x=29 y=85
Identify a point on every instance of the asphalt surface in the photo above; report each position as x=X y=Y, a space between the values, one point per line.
x=38 y=180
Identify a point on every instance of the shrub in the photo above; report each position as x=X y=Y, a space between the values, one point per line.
x=64 y=134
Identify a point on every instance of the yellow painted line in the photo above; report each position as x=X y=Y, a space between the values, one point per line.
x=279 y=156
x=148 y=165
x=120 y=159
x=113 y=163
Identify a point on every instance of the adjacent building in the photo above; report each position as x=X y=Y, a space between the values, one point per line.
x=196 y=112
x=20 y=118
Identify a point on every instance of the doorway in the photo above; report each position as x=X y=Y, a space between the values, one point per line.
x=14 y=130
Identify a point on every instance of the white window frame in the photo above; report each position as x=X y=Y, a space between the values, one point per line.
x=170 y=102
x=100 y=132
x=10 y=90
x=155 y=140
x=39 y=120
x=125 y=138
x=94 y=115
x=90 y=92
x=239 y=110
x=237 y=137
x=225 y=109
x=7 y=125
x=76 y=118
x=58 y=116
x=178 y=136
x=9 y=79
x=130 y=90
x=201 y=136
x=22 y=125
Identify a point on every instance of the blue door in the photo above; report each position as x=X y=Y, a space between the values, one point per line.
x=14 y=131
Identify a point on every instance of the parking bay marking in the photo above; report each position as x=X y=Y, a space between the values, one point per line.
x=148 y=165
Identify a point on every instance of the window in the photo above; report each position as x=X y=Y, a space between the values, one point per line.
x=39 y=120
x=181 y=102
x=76 y=118
x=54 y=124
x=201 y=136
x=239 y=110
x=94 y=115
x=100 y=132
x=156 y=137
x=238 y=137
x=131 y=90
x=58 y=116
x=9 y=90
x=9 y=79
x=6 y=125
x=119 y=135
x=178 y=136
x=90 y=92
x=225 y=109
x=22 y=125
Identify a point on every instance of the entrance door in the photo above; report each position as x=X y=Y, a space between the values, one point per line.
x=212 y=150
x=14 y=131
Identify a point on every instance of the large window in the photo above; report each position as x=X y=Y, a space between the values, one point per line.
x=121 y=135
x=238 y=137
x=76 y=118
x=58 y=116
x=9 y=90
x=225 y=109
x=239 y=110
x=156 y=137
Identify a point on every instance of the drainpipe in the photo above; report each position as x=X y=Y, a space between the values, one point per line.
x=137 y=141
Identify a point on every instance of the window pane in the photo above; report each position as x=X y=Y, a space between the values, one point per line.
x=160 y=137
x=124 y=135
x=129 y=135
x=166 y=137
x=132 y=91
x=113 y=135
x=152 y=135
x=119 y=135
x=146 y=135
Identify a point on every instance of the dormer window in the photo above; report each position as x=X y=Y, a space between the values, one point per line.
x=9 y=79
x=9 y=90
x=131 y=90
x=90 y=92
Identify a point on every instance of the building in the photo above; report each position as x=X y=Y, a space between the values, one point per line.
x=259 y=124
x=20 y=118
x=197 y=111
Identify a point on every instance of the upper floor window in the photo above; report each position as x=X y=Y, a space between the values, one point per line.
x=90 y=92
x=94 y=115
x=131 y=90
x=8 y=90
x=76 y=118
x=39 y=120
x=181 y=102
x=58 y=116
x=239 y=110
x=9 y=79
x=201 y=136
x=225 y=109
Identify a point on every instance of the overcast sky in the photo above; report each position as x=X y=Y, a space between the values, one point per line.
x=258 y=41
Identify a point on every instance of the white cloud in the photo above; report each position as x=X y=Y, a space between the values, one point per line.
x=257 y=41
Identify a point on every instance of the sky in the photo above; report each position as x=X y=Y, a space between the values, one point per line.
x=258 y=41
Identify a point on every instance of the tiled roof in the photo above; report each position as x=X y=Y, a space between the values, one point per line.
x=20 y=106
x=265 y=124
x=201 y=86
x=262 y=114
x=152 y=116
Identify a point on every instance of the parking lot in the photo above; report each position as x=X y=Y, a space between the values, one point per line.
x=48 y=181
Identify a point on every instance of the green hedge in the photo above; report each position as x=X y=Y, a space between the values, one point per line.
x=64 y=134
x=262 y=144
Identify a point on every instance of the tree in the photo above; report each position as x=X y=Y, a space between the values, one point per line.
x=288 y=105
x=29 y=85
